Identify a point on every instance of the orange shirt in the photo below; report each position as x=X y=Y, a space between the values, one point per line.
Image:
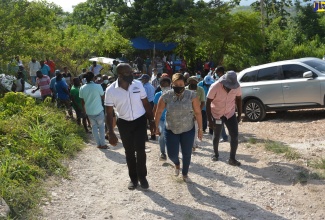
x=223 y=103
x=51 y=64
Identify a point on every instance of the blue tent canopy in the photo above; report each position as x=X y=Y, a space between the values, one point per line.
x=142 y=43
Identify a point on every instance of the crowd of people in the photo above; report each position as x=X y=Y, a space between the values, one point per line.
x=178 y=107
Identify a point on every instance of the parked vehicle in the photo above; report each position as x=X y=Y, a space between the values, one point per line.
x=284 y=85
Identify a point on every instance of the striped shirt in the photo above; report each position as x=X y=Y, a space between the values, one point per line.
x=44 y=85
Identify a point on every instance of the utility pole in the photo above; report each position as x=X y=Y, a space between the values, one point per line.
x=262 y=23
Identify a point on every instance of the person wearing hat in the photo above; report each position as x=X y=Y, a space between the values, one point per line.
x=192 y=85
x=164 y=85
x=222 y=99
x=205 y=84
x=150 y=91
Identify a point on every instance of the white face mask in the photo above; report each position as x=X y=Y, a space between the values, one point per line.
x=106 y=81
x=84 y=81
x=165 y=89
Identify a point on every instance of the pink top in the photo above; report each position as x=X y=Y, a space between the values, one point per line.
x=223 y=103
x=44 y=85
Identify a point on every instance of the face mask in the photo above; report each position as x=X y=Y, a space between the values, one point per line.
x=216 y=76
x=192 y=86
x=198 y=76
x=178 y=89
x=106 y=81
x=128 y=79
x=84 y=81
x=165 y=89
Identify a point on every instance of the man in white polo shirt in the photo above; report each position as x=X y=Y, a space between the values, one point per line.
x=130 y=100
x=95 y=68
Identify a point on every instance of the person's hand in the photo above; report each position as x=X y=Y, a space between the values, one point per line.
x=112 y=139
x=158 y=131
x=238 y=118
x=152 y=127
x=200 y=134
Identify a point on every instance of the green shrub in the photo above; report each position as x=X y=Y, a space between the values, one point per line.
x=34 y=140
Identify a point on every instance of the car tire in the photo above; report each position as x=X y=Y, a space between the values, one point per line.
x=254 y=110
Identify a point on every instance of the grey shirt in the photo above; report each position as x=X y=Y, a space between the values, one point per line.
x=179 y=114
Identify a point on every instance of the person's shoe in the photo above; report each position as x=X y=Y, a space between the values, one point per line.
x=215 y=158
x=186 y=179
x=204 y=131
x=144 y=183
x=153 y=137
x=222 y=140
x=234 y=162
x=103 y=147
x=163 y=156
x=132 y=185
x=176 y=172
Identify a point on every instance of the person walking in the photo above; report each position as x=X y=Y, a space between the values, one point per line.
x=91 y=95
x=193 y=86
x=179 y=125
x=165 y=86
x=129 y=98
x=223 y=98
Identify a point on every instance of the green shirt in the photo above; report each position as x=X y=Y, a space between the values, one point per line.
x=200 y=94
x=74 y=92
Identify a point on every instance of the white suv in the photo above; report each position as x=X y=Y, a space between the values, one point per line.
x=283 y=85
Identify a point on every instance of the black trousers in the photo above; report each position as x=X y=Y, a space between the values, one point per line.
x=232 y=126
x=133 y=135
x=204 y=120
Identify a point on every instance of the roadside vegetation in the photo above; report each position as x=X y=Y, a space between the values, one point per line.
x=316 y=166
x=35 y=138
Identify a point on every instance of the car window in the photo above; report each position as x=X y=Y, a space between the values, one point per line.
x=270 y=73
x=316 y=64
x=249 y=77
x=293 y=71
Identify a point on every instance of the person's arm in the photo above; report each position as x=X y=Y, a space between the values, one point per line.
x=239 y=107
x=198 y=116
x=109 y=121
x=160 y=108
x=208 y=110
x=149 y=115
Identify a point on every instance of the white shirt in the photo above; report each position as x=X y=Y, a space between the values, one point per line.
x=128 y=103
x=96 y=69
x=34 y=67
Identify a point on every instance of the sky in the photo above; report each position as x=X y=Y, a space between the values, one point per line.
x=67 y=4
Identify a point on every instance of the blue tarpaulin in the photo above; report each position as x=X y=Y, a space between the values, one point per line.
x=142 y=43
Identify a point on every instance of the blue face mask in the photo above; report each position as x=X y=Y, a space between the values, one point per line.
x=198 y=76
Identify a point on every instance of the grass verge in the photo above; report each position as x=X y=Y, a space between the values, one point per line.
x=34 y=140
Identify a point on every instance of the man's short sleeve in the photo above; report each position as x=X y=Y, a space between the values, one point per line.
x=193 y=95
x=201 y=94
x=108 y=101
x=212 y=91
x=100 y=90
x=238 y=92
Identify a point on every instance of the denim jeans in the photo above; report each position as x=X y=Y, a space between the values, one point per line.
x=33 y=80
x=232 y=126
x=161 y=137
x=98 y=127
x=184 y=139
